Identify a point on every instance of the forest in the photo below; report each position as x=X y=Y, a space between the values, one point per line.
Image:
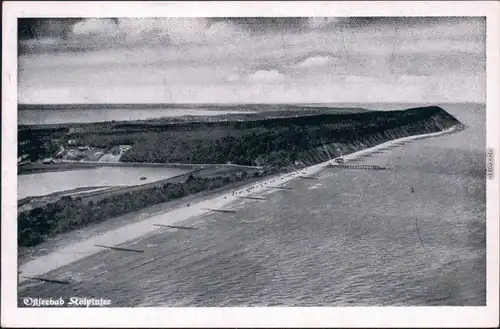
x=270 y=142
x=39 y=143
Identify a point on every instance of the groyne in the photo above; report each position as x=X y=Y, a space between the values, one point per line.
x=117 y=237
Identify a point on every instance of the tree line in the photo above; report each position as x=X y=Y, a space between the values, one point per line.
x=68 y=213
x=273 y=146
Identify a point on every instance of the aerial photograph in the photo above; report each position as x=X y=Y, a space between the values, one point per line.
x=251 y=161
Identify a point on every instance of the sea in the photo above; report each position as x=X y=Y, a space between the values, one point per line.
x=88 y=113
x=411 y=236
x=60 y=114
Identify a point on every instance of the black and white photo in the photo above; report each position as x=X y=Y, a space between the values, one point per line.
x=262 y=161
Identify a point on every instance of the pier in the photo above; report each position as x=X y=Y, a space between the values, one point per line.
x=220 y=210
x=280 y=187
x=251 y=197
x=46 y=280
x=357 y=166
x=177 y=227
x=307 y=177
x=120 y=249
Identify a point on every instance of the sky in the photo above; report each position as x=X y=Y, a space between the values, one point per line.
x=252 y=60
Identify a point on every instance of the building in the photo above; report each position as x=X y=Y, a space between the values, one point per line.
x=124 y=148
x=23 y=159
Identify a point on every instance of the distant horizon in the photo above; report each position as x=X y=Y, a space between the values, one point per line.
x=258 y=103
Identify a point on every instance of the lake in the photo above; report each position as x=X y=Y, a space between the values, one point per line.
x=49 y=182
x=351 y=238
x=87 y=115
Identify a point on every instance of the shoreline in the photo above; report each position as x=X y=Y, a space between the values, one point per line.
x=133 y=231
x=59 y=241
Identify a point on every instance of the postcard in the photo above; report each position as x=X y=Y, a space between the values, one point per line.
x=250 y=164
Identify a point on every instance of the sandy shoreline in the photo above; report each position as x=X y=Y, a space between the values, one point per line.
x=119 y=236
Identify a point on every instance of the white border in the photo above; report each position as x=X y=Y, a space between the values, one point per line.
x=242 y=317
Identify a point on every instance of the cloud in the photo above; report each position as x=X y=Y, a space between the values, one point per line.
x=320 y=22
x=232 y=57
x=179 y=30
x=315 y=61
x=176 y=30
x=41 y=28
x=96 y=26
x=150 y=31
x=222 y=32
x=440 y=46
x=266 y=76
x=350 y=88
x=360 y=79
x=260 y=25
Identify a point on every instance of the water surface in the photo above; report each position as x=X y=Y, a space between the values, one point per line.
x=49 y=182
x=60 y=116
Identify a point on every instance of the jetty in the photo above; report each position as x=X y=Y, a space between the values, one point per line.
x=357 y=166
x=46 y=280
x=119 y=248
x=251 y=197
x=178 y=227
x=307 y=177
x=281 y=187
x=221 y=210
